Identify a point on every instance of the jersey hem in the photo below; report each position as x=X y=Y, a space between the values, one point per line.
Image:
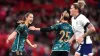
x=60 y=50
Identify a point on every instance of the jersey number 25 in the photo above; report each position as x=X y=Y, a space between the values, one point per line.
x=64 y=34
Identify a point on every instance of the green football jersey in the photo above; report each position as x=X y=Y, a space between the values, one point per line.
x=22 y=32
x=64 y=33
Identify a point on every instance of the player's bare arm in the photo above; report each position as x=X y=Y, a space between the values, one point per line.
x=33 y=46
x=11 y=36
x=91 y=29
x=33 y=28
x=72 y=39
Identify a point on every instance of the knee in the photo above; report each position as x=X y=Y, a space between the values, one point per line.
x=90 y=54
x=77 y=54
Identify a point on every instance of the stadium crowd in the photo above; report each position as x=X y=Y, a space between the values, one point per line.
x=46 y=13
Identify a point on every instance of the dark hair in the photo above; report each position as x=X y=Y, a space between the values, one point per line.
x=66 y=18
x=24 y=18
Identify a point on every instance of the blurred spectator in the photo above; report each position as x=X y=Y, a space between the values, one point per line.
x=46 y=13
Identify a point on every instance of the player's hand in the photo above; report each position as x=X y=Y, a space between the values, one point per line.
x=69 y=41
x=80 y=39
x=34 y=46
x=31 y=28
x=7 y=41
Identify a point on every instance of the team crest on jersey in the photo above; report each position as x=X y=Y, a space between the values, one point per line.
x=77 y=23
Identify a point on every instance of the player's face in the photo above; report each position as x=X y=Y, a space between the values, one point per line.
x=30 y=18
x=72 y=10
x=64 y=14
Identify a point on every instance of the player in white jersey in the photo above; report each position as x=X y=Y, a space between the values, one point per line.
x=82 y=28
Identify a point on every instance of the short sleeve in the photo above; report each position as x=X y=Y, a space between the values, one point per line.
x=19 y=28
x=55 y=27
x=72 y=33
x=84 y=20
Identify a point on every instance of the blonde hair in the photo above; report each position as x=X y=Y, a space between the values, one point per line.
x=81 y=3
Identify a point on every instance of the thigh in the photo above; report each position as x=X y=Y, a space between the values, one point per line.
x=78 y=50
x=77 y=54
x=55 y=53
x=87 y=49
x=63 y=53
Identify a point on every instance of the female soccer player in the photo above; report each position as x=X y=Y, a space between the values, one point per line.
x=64 y=32
x=21 y=33
x=82 y=28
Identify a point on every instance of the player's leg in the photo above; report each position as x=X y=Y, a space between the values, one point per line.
x=90 y=54
x=77 y=54
x=24 y=53
x=13 y=53
x=55 y=53
x=16 y=53
x=63 y=53
x=19 y=54
x=84 y=50
x=87 y=50
x=78 y=51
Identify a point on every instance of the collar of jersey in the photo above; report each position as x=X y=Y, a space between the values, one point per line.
x=76 y=16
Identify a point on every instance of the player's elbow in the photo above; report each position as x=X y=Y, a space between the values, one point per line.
x=93 y=29
x=77 y=40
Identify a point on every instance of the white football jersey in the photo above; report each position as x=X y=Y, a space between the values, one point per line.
x=78 y=24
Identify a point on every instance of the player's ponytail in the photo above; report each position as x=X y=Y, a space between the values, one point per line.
x=81 y=4
x=76 y=6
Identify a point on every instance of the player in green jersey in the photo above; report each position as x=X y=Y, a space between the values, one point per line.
x=64 y=32
x=21 y=33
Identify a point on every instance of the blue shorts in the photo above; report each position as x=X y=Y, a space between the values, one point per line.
x=84 y=49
